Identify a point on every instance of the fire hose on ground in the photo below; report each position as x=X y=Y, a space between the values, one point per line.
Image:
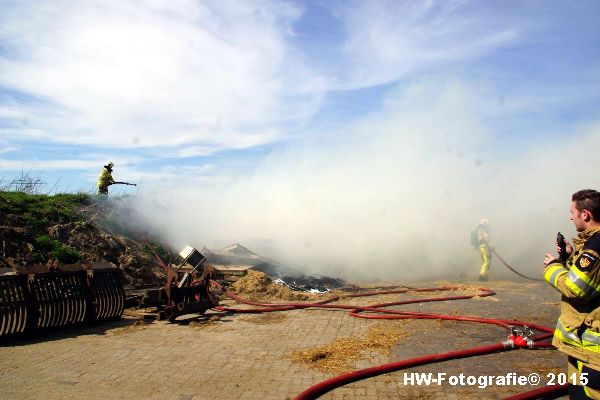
x=512 y=269
x=520 y=338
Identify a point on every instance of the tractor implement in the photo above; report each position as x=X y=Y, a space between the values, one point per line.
x=38 y=297
x=187 y=287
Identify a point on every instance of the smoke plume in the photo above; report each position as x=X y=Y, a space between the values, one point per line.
x=396 y=195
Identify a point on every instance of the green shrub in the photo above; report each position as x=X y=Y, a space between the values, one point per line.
x=158 y=249
x=45 y=243
x=33 y=221
x=66 y=254
x=40 y=211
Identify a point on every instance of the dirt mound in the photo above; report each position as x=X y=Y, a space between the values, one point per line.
x=71 y=228
x=139 y=267
x=80 y=241
x=257 y=286
x=90 y=242
x=15 y=247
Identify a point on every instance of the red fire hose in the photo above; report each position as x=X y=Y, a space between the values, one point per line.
x=546 y=392
x=514 y=270
x=515 y=341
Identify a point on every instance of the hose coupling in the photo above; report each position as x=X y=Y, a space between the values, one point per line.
x=521 y=336
x=530 y=343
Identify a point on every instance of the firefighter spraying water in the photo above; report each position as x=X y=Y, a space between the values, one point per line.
x=105 y=178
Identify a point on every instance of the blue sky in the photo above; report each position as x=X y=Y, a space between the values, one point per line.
x=214 y=86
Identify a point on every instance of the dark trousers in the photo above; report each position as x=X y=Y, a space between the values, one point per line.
x=592 y=389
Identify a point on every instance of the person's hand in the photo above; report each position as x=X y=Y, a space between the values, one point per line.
x=548 y=259
x=568 y=248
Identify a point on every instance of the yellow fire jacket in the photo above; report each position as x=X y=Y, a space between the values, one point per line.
x=105 y=178
x=483 y=237
x=577 y=331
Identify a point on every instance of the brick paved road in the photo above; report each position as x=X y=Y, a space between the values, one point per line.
x=247 y=356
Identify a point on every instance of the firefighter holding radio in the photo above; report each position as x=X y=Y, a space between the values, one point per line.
x=576 y=275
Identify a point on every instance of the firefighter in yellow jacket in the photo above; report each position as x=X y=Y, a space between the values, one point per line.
x=577 y=331
x=105 y=178
x=484 y=245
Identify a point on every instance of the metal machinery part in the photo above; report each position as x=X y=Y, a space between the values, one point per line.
x=38 y=297
x=187 y=287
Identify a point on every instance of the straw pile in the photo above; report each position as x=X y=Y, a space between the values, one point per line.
x=199 y=324
x=267 y=318
x=337 y=357
x=136 y=326
x=456 y=290
x=341 y=355
x=384 y=336
x=257 y=286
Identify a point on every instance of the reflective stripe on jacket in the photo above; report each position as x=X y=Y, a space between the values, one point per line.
x=578 y=280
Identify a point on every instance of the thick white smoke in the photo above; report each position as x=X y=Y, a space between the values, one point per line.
x=396 y=195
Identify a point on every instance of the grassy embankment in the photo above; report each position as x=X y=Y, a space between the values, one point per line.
x=36 y=213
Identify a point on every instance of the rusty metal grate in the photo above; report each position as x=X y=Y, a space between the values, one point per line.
x=107 y=294
x=60 y=298
x=14 y=309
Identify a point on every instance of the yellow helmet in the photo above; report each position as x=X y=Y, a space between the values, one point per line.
x=484 y=222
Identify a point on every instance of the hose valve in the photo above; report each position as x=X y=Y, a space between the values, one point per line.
x=520 y=336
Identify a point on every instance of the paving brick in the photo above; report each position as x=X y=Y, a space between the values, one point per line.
x=238 y=359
